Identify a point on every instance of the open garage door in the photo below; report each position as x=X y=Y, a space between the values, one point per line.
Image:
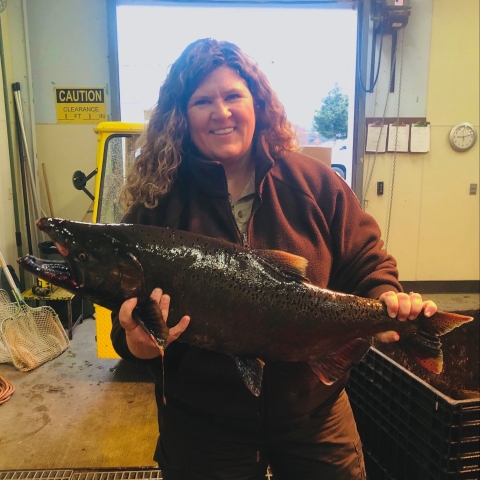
x=307 y=50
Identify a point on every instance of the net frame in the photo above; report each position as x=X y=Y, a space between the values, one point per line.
x=5 y=312
x=29 y=337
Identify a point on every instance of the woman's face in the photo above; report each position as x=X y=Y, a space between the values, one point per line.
x=221 y=117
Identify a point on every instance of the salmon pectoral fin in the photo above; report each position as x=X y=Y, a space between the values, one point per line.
x=442 y=322
x=149 y=316
x=425 y=349
x=336 y=364
x=251 y=371
x=132 y=278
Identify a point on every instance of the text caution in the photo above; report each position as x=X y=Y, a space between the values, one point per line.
x=80 y=105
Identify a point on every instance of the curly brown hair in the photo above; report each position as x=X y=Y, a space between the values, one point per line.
x=167 y=137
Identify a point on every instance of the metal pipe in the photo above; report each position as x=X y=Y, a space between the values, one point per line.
x=18 y=102
x=21 y=154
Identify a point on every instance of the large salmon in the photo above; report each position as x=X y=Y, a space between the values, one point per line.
x=250 y=304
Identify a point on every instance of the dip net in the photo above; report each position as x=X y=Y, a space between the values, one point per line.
x=29 y=336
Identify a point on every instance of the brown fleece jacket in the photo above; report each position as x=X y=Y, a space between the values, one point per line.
x=302 y=207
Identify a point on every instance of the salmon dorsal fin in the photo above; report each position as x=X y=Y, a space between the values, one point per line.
x=288 y=263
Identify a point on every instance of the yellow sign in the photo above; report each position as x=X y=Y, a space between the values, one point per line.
x=80 y=105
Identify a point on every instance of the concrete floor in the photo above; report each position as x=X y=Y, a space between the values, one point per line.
x=81 y=412
x=78 y=411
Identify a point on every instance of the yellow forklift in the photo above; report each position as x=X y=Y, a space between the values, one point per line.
x=115 y=152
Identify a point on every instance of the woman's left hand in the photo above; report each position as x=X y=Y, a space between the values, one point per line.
x=404 y=306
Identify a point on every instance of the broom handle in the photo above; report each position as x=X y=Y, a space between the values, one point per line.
x=47 y=188
x=15 y=290
x=18 y=103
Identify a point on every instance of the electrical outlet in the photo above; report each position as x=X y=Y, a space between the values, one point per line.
x=473 y=189
x=9 y=194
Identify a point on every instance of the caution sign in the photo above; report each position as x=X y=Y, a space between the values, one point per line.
x=80 y=105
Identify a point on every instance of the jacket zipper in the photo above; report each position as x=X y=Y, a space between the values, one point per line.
x=249 y=222
x=242 y=236
x=244 y=241
x=264 y=395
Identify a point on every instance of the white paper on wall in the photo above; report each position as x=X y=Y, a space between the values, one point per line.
x=398 y=138
x=376 y=138
x=420 y=138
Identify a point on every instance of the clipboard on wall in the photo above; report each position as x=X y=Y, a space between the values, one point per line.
x=398 y=137
x=420 y=137
x=376 y=138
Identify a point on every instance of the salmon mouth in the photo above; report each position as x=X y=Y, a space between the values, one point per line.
x=61 y=249
x=56 y=273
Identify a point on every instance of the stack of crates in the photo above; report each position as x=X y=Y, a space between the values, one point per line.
x=410 y=430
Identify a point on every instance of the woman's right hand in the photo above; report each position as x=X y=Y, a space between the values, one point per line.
x=140 y=344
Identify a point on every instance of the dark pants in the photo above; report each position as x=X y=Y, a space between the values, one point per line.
x=321 y=446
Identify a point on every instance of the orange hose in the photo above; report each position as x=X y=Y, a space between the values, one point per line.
x=6 y=390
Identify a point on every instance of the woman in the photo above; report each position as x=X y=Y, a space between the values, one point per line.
x=218 y=158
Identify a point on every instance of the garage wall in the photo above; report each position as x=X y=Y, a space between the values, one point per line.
x=68 y=48
x=434 y=231
x=7 y=232
x=16 y=70
x=7 y=239
x=51 y=43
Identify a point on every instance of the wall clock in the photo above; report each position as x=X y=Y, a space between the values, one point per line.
x=462 y=137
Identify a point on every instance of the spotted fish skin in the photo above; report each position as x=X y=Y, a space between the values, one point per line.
x=242 y=302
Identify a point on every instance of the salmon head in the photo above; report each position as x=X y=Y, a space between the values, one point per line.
x=97 y=265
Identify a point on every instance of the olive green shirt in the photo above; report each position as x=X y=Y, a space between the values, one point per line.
x=242 y=208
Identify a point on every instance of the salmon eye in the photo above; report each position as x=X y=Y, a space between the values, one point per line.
x=82 y=256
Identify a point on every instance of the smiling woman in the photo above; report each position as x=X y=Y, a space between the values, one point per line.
x=221 y=118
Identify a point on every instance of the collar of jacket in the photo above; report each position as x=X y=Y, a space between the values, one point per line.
x=210 y=175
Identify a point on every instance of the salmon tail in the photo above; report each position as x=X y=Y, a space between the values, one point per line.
x=336 y=364
x=443 y=322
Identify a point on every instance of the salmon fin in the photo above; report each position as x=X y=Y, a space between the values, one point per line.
x=149 y=316
x=442 y=322
x=425 y=349
x=288 y=263
x=336 y=364
x=424 y=346
x=251 y=371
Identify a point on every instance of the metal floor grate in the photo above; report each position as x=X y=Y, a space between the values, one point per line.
x=119 y=475
x=154 y=474
x=36 y=475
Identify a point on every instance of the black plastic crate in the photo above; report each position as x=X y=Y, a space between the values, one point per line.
x=409 y=429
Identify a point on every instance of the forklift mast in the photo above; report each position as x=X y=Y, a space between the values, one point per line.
x=115 y=152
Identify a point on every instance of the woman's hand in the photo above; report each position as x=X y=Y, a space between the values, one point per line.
x=404 y=307
x=139 y=342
